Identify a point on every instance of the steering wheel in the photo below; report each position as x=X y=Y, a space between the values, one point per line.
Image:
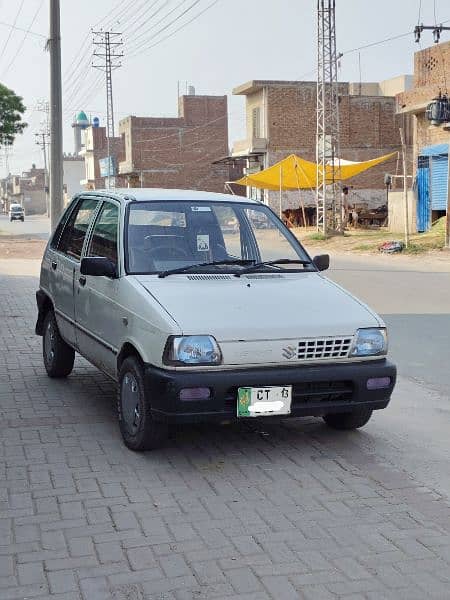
x=174 y=252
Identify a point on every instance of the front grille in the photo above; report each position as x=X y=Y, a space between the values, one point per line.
x=207 y=277
x=315 y=348
x=309 y=392
x=321 y=392
x=266 y=276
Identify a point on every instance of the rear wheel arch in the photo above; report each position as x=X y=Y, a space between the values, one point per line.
x=44 y=306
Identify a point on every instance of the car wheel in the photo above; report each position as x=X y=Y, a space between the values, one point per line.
x=58 y=355
x=352 y=420
x=138 y=428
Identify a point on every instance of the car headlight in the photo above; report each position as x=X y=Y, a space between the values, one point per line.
x=370 y=342
x=192 y=350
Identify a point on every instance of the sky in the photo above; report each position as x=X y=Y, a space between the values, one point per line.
x=227 y=43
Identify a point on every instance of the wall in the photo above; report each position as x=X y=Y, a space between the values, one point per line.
x=178 y=152
x=396 y=216
x=73 y=174
x=34 y=202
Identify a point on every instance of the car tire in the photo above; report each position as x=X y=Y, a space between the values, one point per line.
x=346 y=421
x=138 y=428
x=58 y=355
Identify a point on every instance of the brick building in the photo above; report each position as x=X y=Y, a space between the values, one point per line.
x=178 y=152
x=27 y=189
x=94 y=149
x=430 y=140
x=281 y=119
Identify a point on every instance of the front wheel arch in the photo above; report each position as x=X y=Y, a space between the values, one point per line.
x=127 y=350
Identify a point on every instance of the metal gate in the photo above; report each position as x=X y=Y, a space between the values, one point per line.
x=423 y=194
x=439 y=178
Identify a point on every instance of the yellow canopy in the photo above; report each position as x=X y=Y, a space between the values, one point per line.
x=294 y=173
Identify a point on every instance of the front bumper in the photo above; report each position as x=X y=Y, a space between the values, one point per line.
x=316 y=390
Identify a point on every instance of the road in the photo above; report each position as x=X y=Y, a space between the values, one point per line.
x=261 y=512
x=413 y=297
x=36 y=226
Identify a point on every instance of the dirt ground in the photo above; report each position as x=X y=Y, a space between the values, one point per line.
x=21 y=247
x=368 y=241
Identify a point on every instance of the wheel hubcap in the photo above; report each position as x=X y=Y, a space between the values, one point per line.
x=50 y=343
x=130 y=403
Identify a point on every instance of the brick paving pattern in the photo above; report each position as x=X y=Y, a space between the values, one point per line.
x=256 y=512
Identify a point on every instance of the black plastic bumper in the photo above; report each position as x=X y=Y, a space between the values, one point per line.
x=316 y=390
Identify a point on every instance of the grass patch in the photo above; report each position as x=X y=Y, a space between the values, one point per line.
x=364 y=247
x=317 y=237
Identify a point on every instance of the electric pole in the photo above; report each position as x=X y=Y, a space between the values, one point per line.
x=42 y=141
x=327 y=115
x=56 y=148
x=108 y=44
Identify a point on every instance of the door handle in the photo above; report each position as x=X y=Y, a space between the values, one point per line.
x=54 y=265
x=82 y=280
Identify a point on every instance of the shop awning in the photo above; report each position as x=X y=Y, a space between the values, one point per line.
x=294 y=173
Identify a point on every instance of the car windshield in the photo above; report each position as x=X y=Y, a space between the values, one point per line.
x=208 y=237
x=16 y=209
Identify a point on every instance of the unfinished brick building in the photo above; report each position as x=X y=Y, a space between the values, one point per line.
x=431 y=138
x=281 y=119
x=431 y=76
x=178 y=152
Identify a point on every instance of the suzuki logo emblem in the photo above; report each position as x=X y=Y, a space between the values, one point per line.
x=289 y=352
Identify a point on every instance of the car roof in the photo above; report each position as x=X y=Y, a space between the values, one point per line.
x=160 y=194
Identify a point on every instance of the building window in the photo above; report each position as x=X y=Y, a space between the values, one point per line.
x=256 y=122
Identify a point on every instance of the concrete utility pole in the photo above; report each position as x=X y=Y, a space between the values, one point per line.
x=405 y=187
x=56 y=148
x=42 y=142
x=105 y=40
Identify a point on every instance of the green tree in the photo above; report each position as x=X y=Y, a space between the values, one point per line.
x=11 y=111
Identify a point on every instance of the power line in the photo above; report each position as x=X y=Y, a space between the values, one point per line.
x=41 y=35
x=195 y=17
x=11 y=30
x=143 y=23
x=23 y=39
x=189 y=8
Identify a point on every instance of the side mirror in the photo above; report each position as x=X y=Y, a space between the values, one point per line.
x=98 y=266
x=322 y=262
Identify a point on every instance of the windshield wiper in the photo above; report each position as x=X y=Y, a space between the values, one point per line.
x=269 y=263
x=234 y=261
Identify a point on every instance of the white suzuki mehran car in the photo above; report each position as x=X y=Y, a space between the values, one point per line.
x=197 y=321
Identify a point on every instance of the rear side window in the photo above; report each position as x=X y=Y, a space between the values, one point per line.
x=74 y=232
x=104 y=235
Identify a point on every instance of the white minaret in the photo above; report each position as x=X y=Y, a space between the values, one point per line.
x=80 y=122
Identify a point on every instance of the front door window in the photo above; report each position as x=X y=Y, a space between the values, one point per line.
x=104 y=235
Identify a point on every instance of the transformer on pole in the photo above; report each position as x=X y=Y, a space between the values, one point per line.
x=327 y=142
x=107 y=43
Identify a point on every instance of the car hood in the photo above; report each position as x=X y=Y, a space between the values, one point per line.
x=259 y=306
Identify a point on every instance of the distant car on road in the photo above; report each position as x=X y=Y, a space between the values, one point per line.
x=16 y=212
x=198 y=323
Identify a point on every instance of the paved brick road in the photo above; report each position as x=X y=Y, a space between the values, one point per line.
x=295 y=512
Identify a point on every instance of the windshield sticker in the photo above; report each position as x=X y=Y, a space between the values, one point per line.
x=203 y=243
x=201 y=208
